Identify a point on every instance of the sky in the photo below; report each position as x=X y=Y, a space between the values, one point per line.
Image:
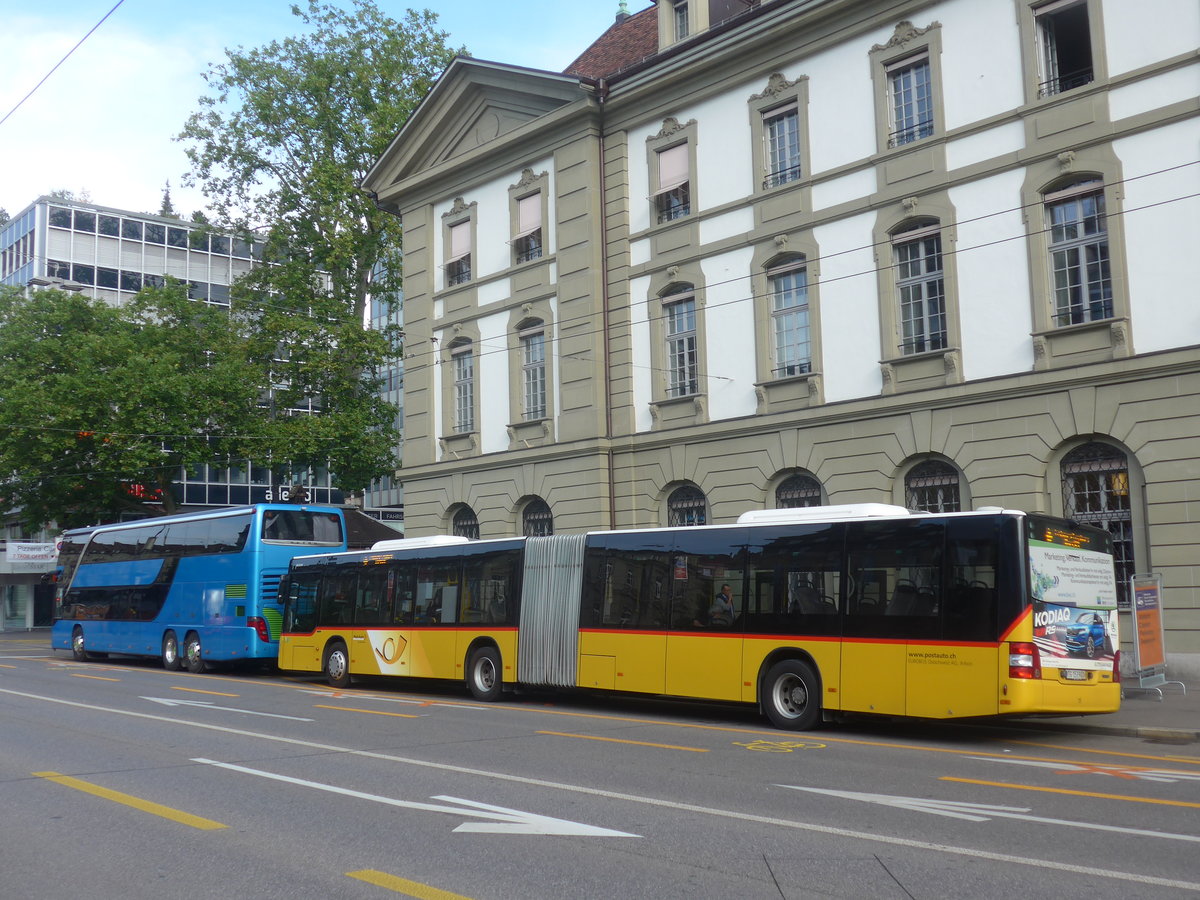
x=102 y=124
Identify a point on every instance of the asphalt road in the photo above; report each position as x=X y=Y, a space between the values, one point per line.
x=120 y=779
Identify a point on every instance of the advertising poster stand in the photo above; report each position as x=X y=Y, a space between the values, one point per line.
x=1149 y=649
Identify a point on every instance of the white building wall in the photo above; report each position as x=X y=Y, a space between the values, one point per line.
x=730 y=339
x=1139 y=34
x=977 y=84
x=722 y=137
x=995 y=316
x=491 y=380
x=840 y=81
x=643 y=362
x=849 y=310
x=1162 y=215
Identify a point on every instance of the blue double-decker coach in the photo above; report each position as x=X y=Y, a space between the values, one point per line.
x=190 y=589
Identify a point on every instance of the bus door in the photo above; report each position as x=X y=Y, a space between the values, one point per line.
x=960 y=675
x=893 y=586
x=626 y=607
x=300 y=645
x=432 y=649
x=708 y=592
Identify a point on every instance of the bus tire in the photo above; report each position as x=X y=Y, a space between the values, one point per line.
x=193 y=654
x=337 y=665
x=483 y=674
x=77 y=645
x=170 y=652
x=791 y=695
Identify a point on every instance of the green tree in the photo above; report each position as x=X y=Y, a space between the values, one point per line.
x=3 y=216
x=103 y=405
x=279 y=147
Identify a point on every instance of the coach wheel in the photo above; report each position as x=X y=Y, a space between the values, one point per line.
x=170 y=652
x=337 y=666
x=192 y=654
x=77 y=648
x=483 y=674
x=791 y=695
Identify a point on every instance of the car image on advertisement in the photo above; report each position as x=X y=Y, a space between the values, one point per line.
x=1085 y=635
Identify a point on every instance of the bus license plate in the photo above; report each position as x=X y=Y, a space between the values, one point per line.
x=1074 y=674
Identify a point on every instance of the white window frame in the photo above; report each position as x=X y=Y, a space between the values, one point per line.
x=910 y=122
x=918 y=288
x=462 y=356
x=781 y=159
x=1072 y=256
x=682 y=345
x=791 y=326
x=533 y=373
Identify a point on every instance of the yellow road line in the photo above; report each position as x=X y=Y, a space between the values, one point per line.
x=149 y=806
x=1049 y=790
x=403 y=885
x=95 y=677
x=370 y=712
x=6 y=666
x=1180 y=759
x=592 y=737
x=198 y=691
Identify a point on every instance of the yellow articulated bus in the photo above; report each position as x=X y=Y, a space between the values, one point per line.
x=806 y=612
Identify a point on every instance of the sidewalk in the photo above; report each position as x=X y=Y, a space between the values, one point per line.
x=1173 y=719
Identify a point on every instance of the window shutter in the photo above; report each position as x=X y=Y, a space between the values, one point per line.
x=529 y=215
x=460 y=241
x=672 y=167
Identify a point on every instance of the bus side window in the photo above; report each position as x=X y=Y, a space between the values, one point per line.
x=795 y=577
x=372 y=590
x=402 y=586
x=895 y=571
x=971 y=595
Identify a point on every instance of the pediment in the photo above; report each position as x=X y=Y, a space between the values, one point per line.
x=473 y=104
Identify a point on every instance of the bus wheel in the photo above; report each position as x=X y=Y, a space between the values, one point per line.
x=483 y=674
x=77 y=649
x=337 y=666
x=192 y=653
x=791 y=695
x=170 y=652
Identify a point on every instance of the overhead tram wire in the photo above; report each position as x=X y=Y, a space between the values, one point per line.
x=876 y=269
x=60 y=62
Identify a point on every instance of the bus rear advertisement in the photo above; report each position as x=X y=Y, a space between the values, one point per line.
x=190 y=589
x=808 y=613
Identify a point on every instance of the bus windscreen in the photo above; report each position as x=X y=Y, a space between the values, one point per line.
x=1074 y=595
x=301 y=527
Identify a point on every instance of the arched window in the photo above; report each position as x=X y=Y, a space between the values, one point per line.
x=532 y=336
x=683 y=359
x=687 y=505
x=1079 y=266
x=796 y=491
x=920 y=286
x=466 y=523
x=787 y=279
x=536 y=519
x=462 y=356
x=1095 y=485
x=932 y=486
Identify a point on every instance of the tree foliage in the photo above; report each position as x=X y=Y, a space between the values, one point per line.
x=103 y=405
x=279 y=146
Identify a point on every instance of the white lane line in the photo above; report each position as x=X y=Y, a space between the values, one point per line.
x=830 y=830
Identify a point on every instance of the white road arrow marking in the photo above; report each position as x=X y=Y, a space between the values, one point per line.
x=504 y=821
x=1166 y=776
x=208 y=704
x=982 y=812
